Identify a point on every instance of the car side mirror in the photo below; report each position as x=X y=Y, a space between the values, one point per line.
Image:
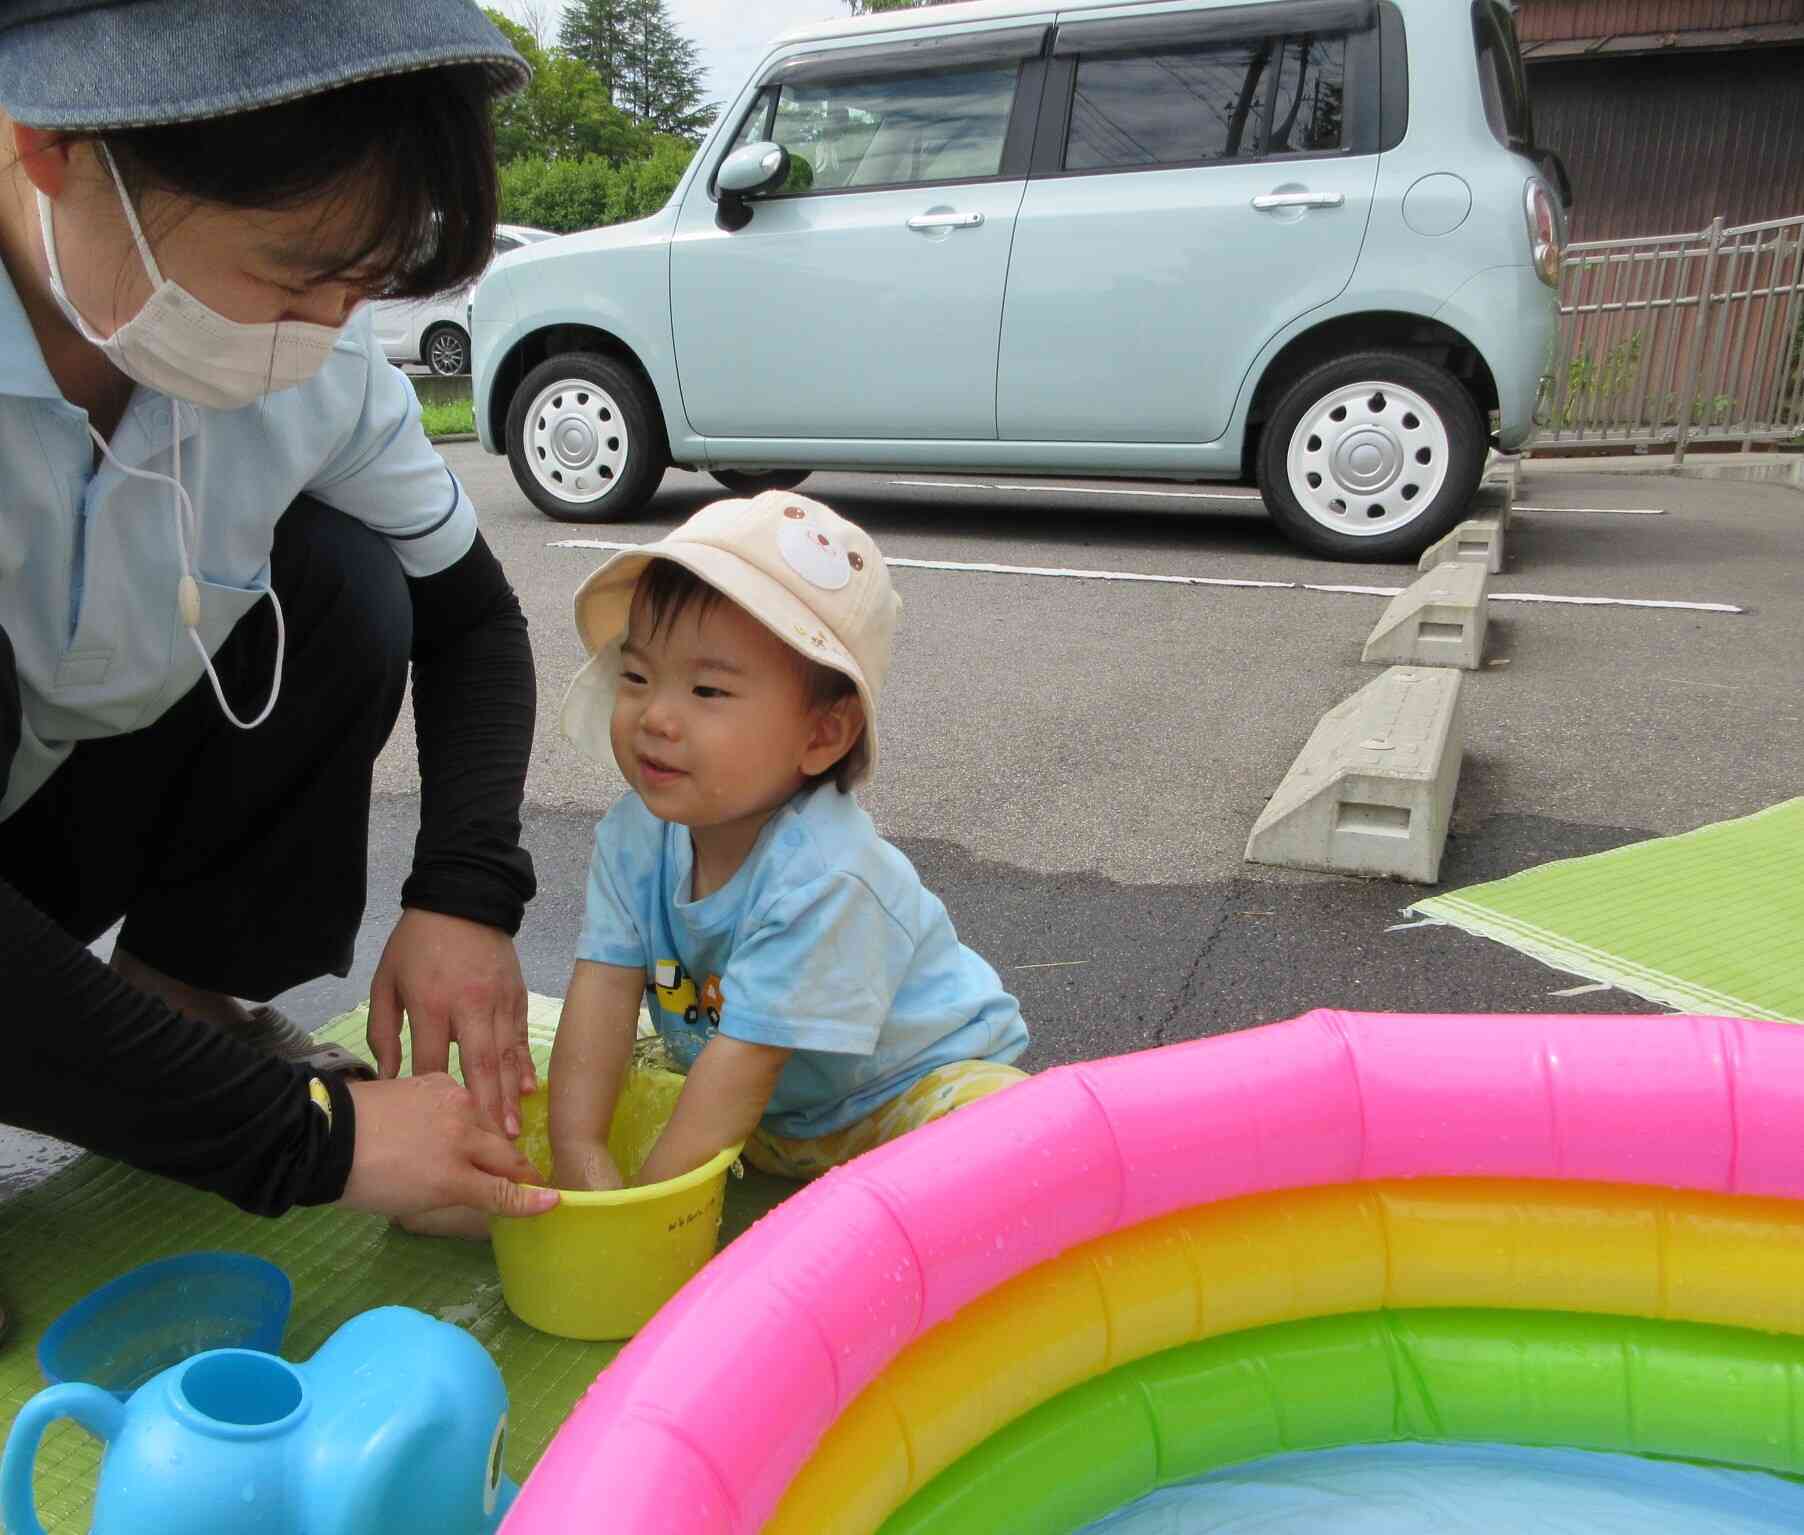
x=745 y=174
x=1554 y=169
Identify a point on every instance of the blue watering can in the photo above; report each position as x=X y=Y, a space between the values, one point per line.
x=398 y=1422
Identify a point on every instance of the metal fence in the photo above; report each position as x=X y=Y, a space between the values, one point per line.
x=1682 y=339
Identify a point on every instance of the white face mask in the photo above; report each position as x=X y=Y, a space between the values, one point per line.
x=177 y=345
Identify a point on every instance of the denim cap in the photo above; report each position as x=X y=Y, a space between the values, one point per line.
x=88 y=65
x=812 y=578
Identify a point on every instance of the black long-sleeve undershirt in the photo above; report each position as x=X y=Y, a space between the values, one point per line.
x=475 y=702
x=95 y=1062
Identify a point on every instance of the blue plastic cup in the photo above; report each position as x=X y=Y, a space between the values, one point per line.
x=161 y=1313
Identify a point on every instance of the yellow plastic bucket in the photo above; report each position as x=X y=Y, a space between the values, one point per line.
x=600 y=1264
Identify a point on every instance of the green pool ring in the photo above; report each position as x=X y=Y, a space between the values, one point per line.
x=1681 y=1390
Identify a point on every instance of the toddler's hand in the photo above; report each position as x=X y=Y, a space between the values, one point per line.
x=585 y=1167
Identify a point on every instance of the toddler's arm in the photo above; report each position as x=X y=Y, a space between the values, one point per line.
x=588 y=1063
x=721 y=1103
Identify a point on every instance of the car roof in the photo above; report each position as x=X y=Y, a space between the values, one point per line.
x=940 y=16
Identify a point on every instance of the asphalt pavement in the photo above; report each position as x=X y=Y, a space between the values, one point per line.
x=1074 y=749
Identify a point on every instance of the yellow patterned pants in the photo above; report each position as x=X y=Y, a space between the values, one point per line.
x=936 y=1095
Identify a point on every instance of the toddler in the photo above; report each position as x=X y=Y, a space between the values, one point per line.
x=807 y=983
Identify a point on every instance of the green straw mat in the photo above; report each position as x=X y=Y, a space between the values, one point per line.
x=95 y=1219
x=1708 y=922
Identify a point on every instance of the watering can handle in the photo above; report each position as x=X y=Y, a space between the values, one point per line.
x=99 y=1412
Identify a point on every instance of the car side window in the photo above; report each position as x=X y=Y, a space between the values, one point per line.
x=1243 y=99
x=893 y=129
x=756 y=127
x=1310 y=96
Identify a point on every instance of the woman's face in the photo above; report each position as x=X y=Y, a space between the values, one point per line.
x=251 y=266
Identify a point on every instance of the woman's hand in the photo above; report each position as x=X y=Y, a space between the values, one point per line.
x=455 y=980
x=424 y=1143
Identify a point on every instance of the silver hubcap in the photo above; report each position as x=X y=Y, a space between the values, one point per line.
x=447 y=353
x=576 y=443
x=1368 y=458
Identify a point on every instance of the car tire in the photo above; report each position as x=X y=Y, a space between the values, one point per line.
x=445 y=349
x=742 y=483
x=1371 y=456
x=585 y=438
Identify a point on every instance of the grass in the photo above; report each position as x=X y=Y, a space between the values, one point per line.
x=449 y=418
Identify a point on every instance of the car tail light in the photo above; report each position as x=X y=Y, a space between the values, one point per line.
x=1545 y=239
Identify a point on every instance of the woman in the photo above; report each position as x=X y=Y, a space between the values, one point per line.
x=223 y=539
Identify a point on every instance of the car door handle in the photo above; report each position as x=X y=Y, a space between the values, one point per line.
x=945 y=221
x=1267 y=200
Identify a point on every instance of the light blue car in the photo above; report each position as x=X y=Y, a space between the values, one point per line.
x=1310 y=244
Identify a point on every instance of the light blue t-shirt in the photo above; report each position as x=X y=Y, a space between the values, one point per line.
x=825 y=942
x=91 y=557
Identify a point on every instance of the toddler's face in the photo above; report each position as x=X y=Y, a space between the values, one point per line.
x=711 y=722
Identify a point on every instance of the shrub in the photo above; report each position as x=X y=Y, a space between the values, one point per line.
x=567 y=195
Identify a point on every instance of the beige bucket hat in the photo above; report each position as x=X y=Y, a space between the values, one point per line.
x=815 y=580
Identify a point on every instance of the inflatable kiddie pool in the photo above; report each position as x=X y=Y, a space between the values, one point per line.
x=1348 y=1229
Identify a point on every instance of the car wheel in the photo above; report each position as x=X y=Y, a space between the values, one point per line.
x=446 y=350
x=1372 y=456
x=585 y=438
x=743 y=484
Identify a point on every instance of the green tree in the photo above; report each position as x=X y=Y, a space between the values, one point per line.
x=645 y=64
x=564 y=113
x=661 y=72
x=595 y=31
x=869 y=7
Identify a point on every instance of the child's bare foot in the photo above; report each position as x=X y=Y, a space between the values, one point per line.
x=449 y=1221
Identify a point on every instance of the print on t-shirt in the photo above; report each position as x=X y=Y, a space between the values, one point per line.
x=698 y=1011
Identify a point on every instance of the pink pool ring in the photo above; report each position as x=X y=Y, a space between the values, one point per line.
x=705 y=1418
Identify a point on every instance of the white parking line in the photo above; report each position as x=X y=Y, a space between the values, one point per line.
x=1618 y=602
x=986 y=568
x=1085 y=490
x=1601 y=511
x=1220 y=495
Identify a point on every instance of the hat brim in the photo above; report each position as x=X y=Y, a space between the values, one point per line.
x=603 y=604
x=84 y=70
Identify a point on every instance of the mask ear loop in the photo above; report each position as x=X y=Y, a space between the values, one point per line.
x=151 y=269
x=188 y=593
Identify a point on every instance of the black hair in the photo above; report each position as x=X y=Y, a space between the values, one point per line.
x=412 y=156
x=670 y=590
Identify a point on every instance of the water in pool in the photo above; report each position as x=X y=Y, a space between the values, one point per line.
x=1436 y=1489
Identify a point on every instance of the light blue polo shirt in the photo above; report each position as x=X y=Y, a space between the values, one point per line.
x=89 y=561
x=824 y=942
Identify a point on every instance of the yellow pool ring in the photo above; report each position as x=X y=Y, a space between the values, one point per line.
x=1222 y=1268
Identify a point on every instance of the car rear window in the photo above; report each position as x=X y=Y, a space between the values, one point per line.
x=1501 y=80
x=1241 y=99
